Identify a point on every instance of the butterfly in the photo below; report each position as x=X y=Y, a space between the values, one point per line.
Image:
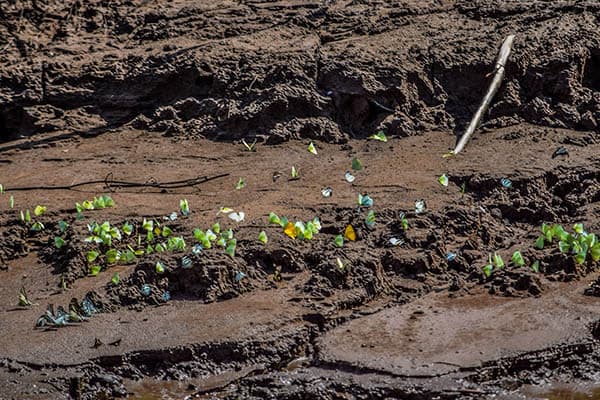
x=230 y=249
x=561 y=151
x=395 y=241
x=295 y=174
x=146 y=290
x=241 y=184
x=197 y=249
x=239 y=276
x=365 y=200
x=370 y=219
x=420 y=206
x=75 y=312
x=47 y=318
x=23 y=300
x=327 y=192
x=159 y=268
x=349 y=233
x=249 y=147
x=88 y=306
x=356 y=164
x=290 y=230
x=262 y=237
x=62 y=317
x=349 y=177
x=443 y=180
x=237 y=216
x=379 y=136
x=186 y=262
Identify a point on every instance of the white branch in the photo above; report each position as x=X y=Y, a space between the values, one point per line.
x=494 y=86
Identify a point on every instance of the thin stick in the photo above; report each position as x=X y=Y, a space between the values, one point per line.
x=111 y=184
x=494 y=86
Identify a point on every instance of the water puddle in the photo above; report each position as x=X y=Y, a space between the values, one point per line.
x=151 y=389
x=562 y=392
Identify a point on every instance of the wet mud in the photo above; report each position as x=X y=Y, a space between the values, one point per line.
x=451 y=298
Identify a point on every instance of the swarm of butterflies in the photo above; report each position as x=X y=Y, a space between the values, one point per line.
x=298 y=229
x=78 y=312
x=302 y=230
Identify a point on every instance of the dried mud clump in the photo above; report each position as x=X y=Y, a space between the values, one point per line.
x=13 y=243
x=304 y=73
x=550 y=196
x=209 y=277
x=593 y=290
x=327 y=276
x=519 y=282
x=595 y=329
x=69 y=260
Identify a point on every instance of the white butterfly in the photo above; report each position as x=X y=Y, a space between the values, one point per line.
x=420 y=206
x=237 y=216
x=395 y=241
x=349 y=177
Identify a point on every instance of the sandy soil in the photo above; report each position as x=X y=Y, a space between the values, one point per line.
x=154 y=92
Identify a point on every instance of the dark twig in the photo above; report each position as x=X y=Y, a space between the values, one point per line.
x=111 y=184
x=381 y=106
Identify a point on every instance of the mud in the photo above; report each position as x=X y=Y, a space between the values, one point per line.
x=290 y=70
x=154 y=92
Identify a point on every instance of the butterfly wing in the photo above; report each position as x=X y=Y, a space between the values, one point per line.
x=349 y=233
x=23 y=300
x=88 y=307
x=237 y=216
x=290 y=230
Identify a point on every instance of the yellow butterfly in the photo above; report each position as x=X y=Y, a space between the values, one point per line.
x=349 y=233
x=290 y=230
